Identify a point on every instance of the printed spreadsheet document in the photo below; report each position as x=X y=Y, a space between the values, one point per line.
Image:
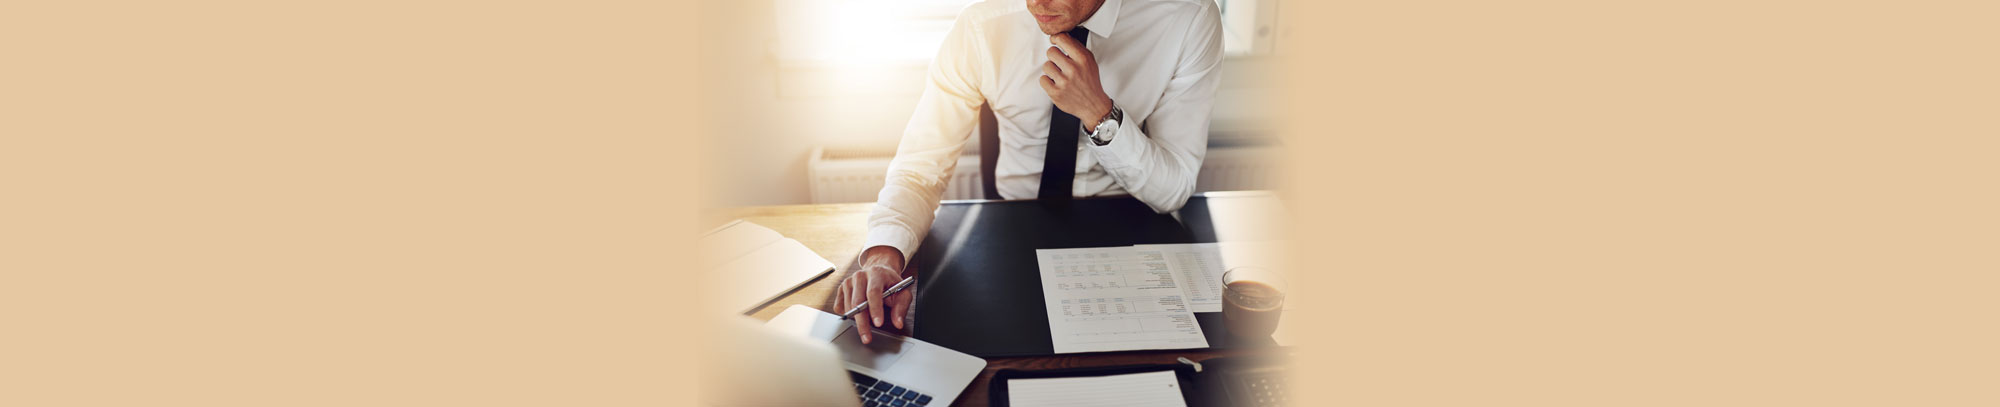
x=1105 y=299
x=1200 y=266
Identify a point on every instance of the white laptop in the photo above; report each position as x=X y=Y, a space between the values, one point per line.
x=893 y=371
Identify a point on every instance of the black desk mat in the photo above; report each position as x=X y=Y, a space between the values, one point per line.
x=979 y=290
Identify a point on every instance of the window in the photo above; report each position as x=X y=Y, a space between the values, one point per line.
x=908 y=32
x=863 y=32
x=1249 y=26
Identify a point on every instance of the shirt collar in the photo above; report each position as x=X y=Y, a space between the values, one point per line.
x=1106 y=18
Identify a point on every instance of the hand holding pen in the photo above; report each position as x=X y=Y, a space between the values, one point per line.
x=891 y=292
x=867 y=293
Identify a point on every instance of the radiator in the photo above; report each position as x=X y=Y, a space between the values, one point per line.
x=844 y=179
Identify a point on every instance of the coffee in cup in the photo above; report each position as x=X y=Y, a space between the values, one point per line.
x=1252 y=298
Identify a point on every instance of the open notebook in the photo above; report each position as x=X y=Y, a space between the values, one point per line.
x=754 y=264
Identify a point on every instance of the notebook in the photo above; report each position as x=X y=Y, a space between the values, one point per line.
x=1149 y=389
x=753 y=264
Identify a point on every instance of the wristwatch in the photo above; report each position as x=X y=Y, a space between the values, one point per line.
x=1107 y=127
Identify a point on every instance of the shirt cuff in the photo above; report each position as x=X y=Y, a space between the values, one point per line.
x=1125 y=147
x=893 y=236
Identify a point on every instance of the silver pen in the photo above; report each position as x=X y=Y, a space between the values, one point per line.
x=885 y=294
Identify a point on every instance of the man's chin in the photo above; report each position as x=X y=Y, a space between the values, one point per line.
x=1053 y=29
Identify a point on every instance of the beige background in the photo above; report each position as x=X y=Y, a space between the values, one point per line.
x=476 y=203
x=1680 y=203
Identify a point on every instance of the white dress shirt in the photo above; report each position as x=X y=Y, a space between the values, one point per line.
x=1157 y=59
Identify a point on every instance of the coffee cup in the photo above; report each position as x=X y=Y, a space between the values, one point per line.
x=1252 y=299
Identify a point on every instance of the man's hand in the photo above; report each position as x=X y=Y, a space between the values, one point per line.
x=880 y=268
x=1070 y=78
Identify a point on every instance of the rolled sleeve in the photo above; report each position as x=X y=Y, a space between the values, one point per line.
x=1121 y=156
x=1156 y=156
x=944 y=119
x=900 y=238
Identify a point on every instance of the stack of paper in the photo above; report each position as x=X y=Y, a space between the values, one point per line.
x=1104 y=299
x=1111 y=299
x=1150 y=389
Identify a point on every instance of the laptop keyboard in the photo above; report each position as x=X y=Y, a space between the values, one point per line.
x=878 y=393
x=1264 y=390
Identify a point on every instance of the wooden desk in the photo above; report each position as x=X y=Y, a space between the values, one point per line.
x=837 y=231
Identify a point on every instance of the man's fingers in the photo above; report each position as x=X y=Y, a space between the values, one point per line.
x=857 y=294
x=840 y=295
x=895 y=304
x=1048 y=85
x=1064 y=62
x=850 y=295
x=844 y=295
x=1070 y=47
x=1049 y=71
x=899 y=306
x=854 y=296
x=874 y=288
x=866 y=334
x=905 y=299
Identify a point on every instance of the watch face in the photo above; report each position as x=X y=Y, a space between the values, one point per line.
x=1105 y=130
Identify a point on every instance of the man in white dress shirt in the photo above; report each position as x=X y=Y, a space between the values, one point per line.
x=1092 y=97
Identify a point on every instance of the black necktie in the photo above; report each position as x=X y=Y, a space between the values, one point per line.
x=1059 y=165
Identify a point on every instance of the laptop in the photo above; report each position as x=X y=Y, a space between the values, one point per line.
x=892 y=370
